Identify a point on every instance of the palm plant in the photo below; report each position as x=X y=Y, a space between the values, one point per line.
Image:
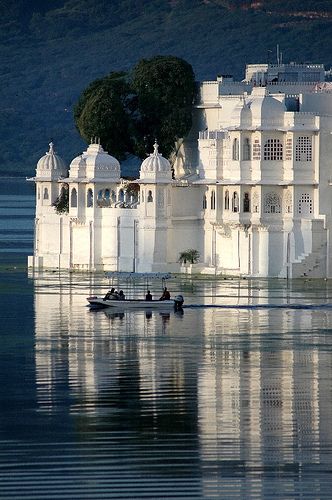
x=191 y=255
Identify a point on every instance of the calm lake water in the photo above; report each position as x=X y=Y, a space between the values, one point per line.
x=232 y=400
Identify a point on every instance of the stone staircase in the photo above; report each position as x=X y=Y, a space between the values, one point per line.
x=311 y=264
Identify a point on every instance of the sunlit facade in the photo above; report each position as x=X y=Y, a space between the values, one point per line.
x=251 y=191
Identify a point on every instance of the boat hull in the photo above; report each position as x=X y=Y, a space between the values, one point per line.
x=131 y=303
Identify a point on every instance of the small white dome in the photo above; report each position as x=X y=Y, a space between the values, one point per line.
x=51 y=165
x=156 y=166
x=95 y=163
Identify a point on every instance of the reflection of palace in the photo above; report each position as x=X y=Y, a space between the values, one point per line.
x=263 y=393
x=100 y=351
x=252 y=385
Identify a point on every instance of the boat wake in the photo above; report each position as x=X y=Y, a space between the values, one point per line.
x=258 y=306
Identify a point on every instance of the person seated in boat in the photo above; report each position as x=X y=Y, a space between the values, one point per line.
x=110 y=295
x=121 y=295
x=148 y=296
x=166 y=295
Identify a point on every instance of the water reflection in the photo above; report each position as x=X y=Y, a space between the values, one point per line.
x=228 y=403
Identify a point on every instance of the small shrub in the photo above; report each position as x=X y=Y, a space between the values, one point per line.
x=61 y=204
x=191 y=255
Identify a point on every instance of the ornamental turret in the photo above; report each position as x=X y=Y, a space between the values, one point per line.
x=95 y=165
x=50 y=167
x=155 y=168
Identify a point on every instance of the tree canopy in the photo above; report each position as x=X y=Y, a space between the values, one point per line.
x=129 y=111
x=102 y=112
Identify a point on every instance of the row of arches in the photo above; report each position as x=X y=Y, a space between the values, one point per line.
x=273 y=150
x=105 y=197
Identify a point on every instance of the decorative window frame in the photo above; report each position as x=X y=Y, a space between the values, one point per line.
x=305 y=205
x=235 y=149
x=226 y=200
x=246 y=149
x=272 y=203
x=235 y=202
x=89 y=198
x=303 y=148
x=273 y=150
x=246 y=202
x=213 y=200
x=73 y=198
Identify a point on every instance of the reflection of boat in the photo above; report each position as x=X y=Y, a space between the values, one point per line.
x=137 y=303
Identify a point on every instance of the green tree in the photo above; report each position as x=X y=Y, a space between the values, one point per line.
x=165 y=90
x=129 y=112
x=103 y=111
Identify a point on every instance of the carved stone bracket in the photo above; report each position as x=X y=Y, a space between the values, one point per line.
x=75 y=221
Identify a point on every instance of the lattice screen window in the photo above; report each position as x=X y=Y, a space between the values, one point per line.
x=289 y=147
x=246 y=150
x=272 y=204
x=273 y=150
x=305 y=204
x=256 y=150
x=303 y=149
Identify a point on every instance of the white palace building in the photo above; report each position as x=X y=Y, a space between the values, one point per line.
x=252 y=189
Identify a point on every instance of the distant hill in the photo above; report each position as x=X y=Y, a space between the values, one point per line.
x=50 y=51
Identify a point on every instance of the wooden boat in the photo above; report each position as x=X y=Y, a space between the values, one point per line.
x=136 y=303
x=102 y=302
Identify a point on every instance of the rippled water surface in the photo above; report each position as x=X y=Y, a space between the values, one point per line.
x=232 y=398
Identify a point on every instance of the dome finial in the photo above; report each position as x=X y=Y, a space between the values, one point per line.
x=155 y=147
x=51 y=150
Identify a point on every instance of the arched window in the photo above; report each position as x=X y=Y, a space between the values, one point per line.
x=45 y=196
x=100 y=195
x=113 y=197
x=227 y=200
x=304 y=206
x=272 y=203
x=235 y=202
x=273 y=150
x=89 y=198
x=235 y=149
x=107 y=195
x=246 y=202
x=303 y=149
x=246 y=149
x=204 y=202
x=150 y=197
x=73 y=198
x=213 y=200
x=121 y=195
